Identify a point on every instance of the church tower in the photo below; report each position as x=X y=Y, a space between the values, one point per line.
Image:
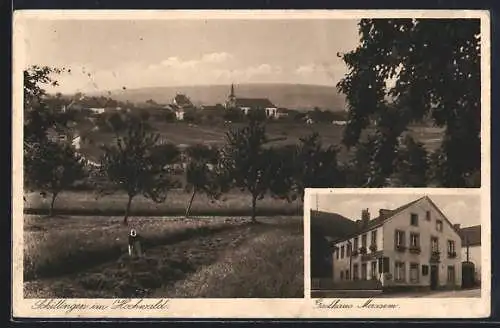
x=231 y=100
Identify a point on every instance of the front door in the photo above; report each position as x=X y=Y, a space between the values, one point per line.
x=434 y=277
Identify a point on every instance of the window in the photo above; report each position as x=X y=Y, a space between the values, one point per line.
x=439 y=225
x=342 y=252
x=356 y=243
x=364 y=271
x=451 y=249
x=399 y=271
x=428 y=215
x=374 y=270
x=347 y=275
x=400 y=238
x=451 y=274
x=414 y=240
x=348 y=250
x=341 y=275
x=414 y=219
x=451 y=246
x=425 y=270
x=355 y=272
x=337 y=253
x=414 y=272
x=363 y=240
x=374 y=237
x=434 y=244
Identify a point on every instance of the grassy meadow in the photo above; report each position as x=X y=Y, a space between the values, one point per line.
x=280 y=133
x=86 y=203
x=87 y=257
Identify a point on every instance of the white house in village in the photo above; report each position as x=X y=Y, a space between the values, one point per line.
x=414 y=245
x=180 y=104
x=97 y=110
x=471 y=247
x=179 y=114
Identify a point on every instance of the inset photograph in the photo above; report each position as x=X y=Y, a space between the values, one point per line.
x=395 y=245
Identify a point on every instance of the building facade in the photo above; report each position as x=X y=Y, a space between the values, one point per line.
x=414 y=245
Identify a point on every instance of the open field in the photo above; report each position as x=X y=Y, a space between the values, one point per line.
x=281 y=132
x=86 y=257
x=231 y=204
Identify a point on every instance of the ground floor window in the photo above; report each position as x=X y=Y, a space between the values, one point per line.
x=347 y=276
x=414 y=272
x=341 y=275
x=355 y=272
x=451 y=274
x=425 y=270
x=399 y=271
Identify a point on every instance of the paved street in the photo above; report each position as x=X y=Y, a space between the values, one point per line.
x=440 y=294
x=376 y=294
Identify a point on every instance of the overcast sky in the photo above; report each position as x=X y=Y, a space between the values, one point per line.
x=190 y=52
x=459 y=209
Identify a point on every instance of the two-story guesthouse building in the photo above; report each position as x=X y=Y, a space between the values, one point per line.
x=414 y=245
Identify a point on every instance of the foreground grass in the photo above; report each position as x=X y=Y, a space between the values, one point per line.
x=86 y=203
x=267 y=266
x=176 y=250
x=56 y=246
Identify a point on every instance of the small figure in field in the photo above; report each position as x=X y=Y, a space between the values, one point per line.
x=134 y=243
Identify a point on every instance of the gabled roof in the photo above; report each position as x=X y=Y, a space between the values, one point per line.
x=388 y=214
x=254 y=103
x=472 y=235
x=379 y=220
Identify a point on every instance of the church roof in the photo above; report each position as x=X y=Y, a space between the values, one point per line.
x=254 y=103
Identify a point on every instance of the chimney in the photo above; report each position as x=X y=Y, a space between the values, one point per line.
x=456 y=226
x=365 y=217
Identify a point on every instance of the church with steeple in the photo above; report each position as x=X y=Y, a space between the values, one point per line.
x=231 y=99
x=248 y=104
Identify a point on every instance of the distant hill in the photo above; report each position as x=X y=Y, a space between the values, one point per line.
x=296 y=96
x=331 y=225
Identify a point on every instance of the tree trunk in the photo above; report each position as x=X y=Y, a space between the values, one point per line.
x=254 y=207
x=51 y=211
x=188 y=209
x=127 y=210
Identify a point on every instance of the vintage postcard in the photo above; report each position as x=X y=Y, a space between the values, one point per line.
x=215 y=164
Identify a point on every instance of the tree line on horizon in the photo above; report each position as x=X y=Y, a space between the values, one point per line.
x=444 y=88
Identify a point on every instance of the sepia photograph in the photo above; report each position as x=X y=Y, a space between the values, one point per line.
x=166 y=156
x=396 y=245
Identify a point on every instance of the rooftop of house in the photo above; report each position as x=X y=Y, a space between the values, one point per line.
x=254 y=103
x=182 y=100
x=386 y=214
x=471 y=235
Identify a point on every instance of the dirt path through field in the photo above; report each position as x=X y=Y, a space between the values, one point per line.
x=160 y=266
